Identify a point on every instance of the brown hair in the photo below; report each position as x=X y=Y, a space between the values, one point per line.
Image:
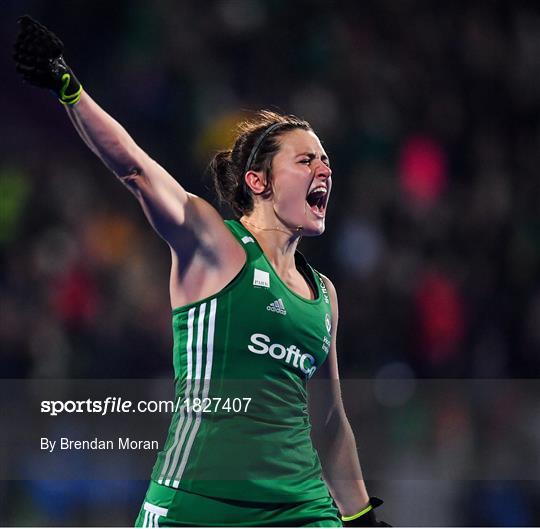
x=257 y=143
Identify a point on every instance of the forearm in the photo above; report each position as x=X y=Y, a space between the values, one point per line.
x=105 y=137
x=163 y=200
x=341 y=467
x=182 y=219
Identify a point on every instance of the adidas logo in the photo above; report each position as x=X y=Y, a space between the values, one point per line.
x=277 y=306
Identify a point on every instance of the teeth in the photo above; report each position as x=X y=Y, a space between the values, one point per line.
x=317 y=197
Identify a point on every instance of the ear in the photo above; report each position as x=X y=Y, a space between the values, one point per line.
x=256 y=181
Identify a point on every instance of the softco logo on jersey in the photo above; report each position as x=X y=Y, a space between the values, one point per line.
x=304 y=361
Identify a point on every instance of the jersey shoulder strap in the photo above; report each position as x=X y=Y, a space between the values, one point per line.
x=311 y=275
x=255 y=256
x=244 y=237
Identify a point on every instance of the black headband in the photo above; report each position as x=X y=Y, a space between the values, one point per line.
x=258 y=143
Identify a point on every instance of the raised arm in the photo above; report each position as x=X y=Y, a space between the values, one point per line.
x=188 y=223
x=164 y=201
x=337 y=445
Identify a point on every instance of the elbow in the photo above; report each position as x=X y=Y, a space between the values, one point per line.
x=125 y=161
x=328 y=424
x=131 y=170
x=131 y=177
x=335 y=418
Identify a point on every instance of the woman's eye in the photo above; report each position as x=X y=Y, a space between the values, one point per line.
x=307 y=161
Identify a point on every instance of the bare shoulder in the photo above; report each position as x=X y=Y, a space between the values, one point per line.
x=209 y=229
x=205 y=258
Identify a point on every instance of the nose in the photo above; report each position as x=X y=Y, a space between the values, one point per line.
x=323 y=171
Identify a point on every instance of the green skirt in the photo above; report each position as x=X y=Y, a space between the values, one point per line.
x=167 y=507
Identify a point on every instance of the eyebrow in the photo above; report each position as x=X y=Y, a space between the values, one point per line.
x=312 y=156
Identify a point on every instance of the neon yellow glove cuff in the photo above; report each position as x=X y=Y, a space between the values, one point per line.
x=70 y=99
x=357 y=515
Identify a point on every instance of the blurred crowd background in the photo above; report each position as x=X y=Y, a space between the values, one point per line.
x=430 y=114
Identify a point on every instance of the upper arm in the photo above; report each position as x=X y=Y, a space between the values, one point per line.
x=185 y=221
x=325 y=391
x=164 y=201
x=193 y=228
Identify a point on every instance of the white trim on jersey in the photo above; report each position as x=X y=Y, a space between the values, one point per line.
x=170 y=475
x=179 y=426
x=206 y=383
x=155 y=509
x=198 y=362
x=152 y=514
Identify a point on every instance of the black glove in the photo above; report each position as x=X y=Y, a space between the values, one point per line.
x=368 y=518
x=38 y=55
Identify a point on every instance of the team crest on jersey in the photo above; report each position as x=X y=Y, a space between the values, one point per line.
x=261 y=278
x=328 y=322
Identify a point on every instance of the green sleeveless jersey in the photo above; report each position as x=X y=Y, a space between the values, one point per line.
x=242 y=358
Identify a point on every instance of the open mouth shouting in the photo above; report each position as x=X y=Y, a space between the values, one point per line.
x=317 y=200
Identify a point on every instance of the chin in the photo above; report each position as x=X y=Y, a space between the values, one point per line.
x=314 y=229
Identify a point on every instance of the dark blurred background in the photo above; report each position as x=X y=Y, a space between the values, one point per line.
x=430 y=114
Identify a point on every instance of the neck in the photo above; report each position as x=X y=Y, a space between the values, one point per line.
x=277 y=241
